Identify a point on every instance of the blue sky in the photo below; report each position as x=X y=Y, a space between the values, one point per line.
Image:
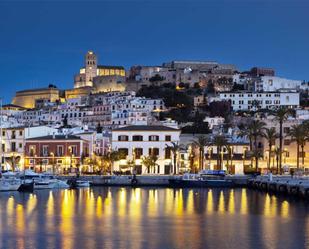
x=44 y=42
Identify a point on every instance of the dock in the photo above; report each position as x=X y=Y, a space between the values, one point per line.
x=298 y=187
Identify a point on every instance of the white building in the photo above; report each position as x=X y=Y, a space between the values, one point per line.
x=262 y=100
x=272 y=83
x=136 y=142
x=214 y=121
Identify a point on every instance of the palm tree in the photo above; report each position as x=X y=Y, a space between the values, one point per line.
x=270 y=135
x=174 y=147
x=281 y=115
x=255 y=130
x=149 y=162
x=13 y=161
x=220 y=142
x=201 y=143
x=110 y=158
x=299 y=135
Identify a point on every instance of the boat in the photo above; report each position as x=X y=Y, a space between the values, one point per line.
x=9 y=182
x=74 y=183
x=42 y=181
x=204 y=179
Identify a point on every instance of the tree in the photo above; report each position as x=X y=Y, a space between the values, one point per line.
x=13 y=161
x=253 y=131
x=131 y=164
x=110 y=158
x=99 y=128
x=270 y=135
x=299 y=134
x=281 y=115
x=174 y=147
x=210 y=87
x=220 y=108
x=220 y=142
x=256 y=128
x=156 y=78
x=149 y=162
x=201 y=143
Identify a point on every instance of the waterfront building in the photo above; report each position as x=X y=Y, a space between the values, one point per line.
x=140 y=141
x=13 y=142
x=289 y=154
x=243 y=100
x=58 y=153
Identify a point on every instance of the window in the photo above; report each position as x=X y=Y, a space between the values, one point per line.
x=32 y=150
x=137 y=138
x=3 y=133
x=168 y=153
x=13 y=146
x=153 y=138
x=123 y=138
x=20 y=133
x=20 y=145
x=3 y=148
x=168 y=138
x=153 y=151
x=59 y=150
x=138 y=152
x=123 y=152
x=73 y=149
x=45 y=150
x=13 y=135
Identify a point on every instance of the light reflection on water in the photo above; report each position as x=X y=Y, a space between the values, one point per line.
x=152 y=218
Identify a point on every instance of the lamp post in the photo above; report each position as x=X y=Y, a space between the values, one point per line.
x=232 y=153
x=244 y=157
x=53 y=162
x=70 y=150
x=209 y=157
x=221 y=162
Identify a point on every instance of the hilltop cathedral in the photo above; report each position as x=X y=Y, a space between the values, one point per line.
x=100 y=78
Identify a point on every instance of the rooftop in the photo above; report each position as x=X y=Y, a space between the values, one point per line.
x=110 y=67
x=145 y=128
x=57 y=137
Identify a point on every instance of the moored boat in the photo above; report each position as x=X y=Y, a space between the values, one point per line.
x=74 y=183
x=8 y=182
x=42 y=181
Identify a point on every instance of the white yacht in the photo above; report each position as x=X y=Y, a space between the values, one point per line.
x=9 y=182
x=42 y=181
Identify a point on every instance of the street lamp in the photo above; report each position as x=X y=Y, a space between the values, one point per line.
x=244 y=157
x=70 y=150
x=53 y=162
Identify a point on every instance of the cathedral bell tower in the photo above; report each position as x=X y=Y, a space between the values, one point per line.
x=90 y=67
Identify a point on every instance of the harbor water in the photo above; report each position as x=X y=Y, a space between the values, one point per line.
x=138 y=218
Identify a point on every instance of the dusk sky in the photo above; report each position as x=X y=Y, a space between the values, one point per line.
x=45 y=42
